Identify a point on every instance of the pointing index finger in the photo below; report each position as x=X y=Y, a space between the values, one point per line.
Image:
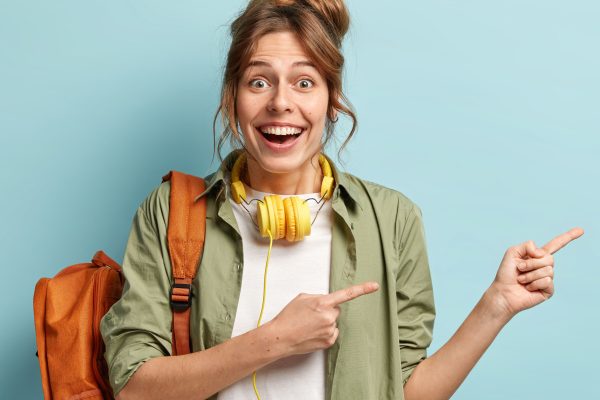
x=350 y=293
x=562 y=240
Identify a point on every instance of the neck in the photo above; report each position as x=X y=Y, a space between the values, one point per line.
x=306 y=179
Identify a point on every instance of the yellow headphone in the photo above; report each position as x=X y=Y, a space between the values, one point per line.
x=290 y=217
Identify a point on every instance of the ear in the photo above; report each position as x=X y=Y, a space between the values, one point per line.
x=334 y=110
x=335 y=115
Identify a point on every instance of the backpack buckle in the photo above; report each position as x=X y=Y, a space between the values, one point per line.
x=181 y=296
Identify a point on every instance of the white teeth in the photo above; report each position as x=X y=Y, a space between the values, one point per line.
x=280 y=130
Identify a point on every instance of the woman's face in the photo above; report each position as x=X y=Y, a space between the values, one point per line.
x=281 y=106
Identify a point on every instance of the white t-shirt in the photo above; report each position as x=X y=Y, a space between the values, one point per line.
x=298 y=267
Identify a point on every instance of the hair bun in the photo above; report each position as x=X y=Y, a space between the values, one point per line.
x=333 y=12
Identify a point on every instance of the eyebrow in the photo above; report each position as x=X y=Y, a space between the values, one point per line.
x=303 y=63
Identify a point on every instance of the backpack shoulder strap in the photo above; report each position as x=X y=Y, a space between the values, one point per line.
x=185 y=239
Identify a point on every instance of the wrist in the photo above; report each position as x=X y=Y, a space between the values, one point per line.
x=275 y=343
x=495 y=305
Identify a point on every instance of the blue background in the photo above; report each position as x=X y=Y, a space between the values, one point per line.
x=486 y=114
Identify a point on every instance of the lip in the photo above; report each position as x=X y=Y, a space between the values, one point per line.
x=283 y=147
x=279 y=123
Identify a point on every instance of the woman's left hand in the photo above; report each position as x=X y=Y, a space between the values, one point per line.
x=525 y=276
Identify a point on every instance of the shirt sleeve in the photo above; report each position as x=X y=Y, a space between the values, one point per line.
x=414 y=292
x=138 y=326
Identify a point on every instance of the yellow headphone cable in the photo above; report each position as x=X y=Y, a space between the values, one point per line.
x=289 y=217
x=262 y=307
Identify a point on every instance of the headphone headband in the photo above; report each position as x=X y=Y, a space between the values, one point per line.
x=239 y=193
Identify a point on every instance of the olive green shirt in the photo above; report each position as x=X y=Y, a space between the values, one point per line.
x=377 y=235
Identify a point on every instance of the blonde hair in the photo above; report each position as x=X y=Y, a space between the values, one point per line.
x=320 y=26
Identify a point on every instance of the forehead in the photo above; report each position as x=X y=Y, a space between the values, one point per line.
x=279 y=48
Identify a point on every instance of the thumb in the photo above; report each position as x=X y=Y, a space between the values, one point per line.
x=529 y=249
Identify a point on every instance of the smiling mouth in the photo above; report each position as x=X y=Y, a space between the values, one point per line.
x=280 y=136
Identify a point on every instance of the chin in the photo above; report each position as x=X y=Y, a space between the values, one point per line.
x=278 y=165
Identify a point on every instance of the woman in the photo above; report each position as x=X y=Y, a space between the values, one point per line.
x=363 y=331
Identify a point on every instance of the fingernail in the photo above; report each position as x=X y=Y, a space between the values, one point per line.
x=375 y=285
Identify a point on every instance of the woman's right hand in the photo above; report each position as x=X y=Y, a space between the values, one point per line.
x=308 y=322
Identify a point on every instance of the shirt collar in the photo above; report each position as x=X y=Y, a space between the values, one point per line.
x=217 y=178
x=343 y=182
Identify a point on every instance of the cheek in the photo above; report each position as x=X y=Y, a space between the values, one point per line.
x=241 y=105
x=243 y=113
x=245 y=104
x=324 y=104
x=317 y=109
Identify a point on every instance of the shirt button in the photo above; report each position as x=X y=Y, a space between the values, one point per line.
x=237 y=266
x=352 y=225
x=227 y=317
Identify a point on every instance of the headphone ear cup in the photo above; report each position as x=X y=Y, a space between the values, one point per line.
x=262 y=216
x=279 y=214
x=298 y=235
x=290 y=219
x=271 y=215
x=301 y=220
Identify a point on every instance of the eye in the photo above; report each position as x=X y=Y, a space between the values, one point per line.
x=258 y=83
x=306 y=83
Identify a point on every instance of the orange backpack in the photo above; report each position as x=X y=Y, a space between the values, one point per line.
x=68 y=308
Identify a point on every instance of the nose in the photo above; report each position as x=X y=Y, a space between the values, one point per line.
x=281 y=100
